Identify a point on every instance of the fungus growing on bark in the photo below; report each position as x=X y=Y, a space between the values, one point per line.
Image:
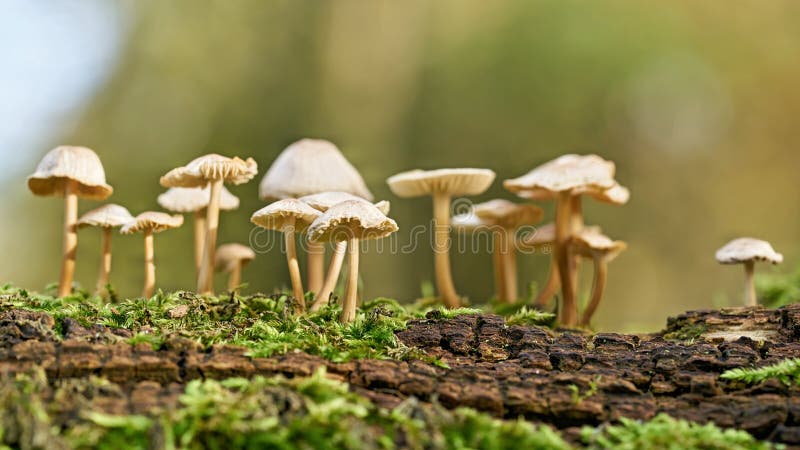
x=748 y=251
x=149 y=223
x=230 y=259
x=106 y=217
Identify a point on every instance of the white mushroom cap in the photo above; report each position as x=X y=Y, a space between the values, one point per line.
x=284 y=213
x=229 y=255
x=566 y=173
x=592 y=243
x=311 y=166
x=200 y=171
x=185 y=200
x=615 y=195
x=153 y=221
x=546 y=234
x=325 y=200
x=416 y=183
x=744 y=250
x=507 y=213
x=67 y=163
x=358 y=219
x=467 y=222
x=106 y=216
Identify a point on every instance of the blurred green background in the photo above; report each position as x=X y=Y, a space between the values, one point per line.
x=697 y=102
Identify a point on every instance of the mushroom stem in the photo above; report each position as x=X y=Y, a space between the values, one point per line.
x=105 y=260
x=576 y=224
x=569 y=310
x=316 y=265
x=149 y=265
x=509 y=267
x=749 y=284
x=499 y=276
x=351 y=291
x=70 y=238
x=205 y=281
x=551 y=287
x=199 y=238
x=598 y=286
x=294 y=268
x=334 y=269
x=441 y=249
x=235 y=277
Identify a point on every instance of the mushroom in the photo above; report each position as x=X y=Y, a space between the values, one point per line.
x=322 y=202
x=288 y=216
x=70 y=172
x=195 y=200
x=748 y=251
x=468 y=222
x=231 y=258
x=508 y=216
x=106 y=217
x=210 y=170
x=148 y=223
x=312 y=166
x=565 y=179
x=593 y=244
x=351 y=221
x=442 y=185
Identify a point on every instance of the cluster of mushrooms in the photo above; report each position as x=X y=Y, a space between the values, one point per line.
x=317 y=194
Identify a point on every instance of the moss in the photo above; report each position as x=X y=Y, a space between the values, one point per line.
x=786 y=371
x=687 y=332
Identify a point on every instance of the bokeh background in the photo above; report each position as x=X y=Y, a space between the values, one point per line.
x=697 y=102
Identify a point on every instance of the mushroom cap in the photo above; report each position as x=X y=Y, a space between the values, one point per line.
x=592 y=243
x=744 y=250
x=70 y=163
x=351 y=219
x=507 y=213
x=546 y=234
x=212 y=167
x=384 y=206
x=229 y=255
x=154 y=221
x=289 y=212
x=106 y=216
x=185 y=200
x=467 y=221
x=311 y=166
x=325 y=200
x=416 y=183
x=615 y=195
x=566 y=173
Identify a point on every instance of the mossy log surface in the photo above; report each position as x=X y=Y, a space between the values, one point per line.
x=566 y=379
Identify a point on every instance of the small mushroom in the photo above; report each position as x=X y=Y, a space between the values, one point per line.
x=602 y=250
x=196 y=200
x=106 y=217
x=210 y=170
x=468 y=222
x=149 y=223
x=442 y=185
x=748 y=251
x=70 y=172
x=230 y=259
x=352 y=221
x=307 y=167
x=288 y=216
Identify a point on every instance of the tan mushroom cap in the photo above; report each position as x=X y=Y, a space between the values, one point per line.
x=416 y=183
x=546 y=235
x=566 y=173
x=287 y=212
x=229 y=255
x=325 y=200
x=311 y=166
x=66 y=163
x=154 y=221
x=589 y=243
x=185 y=200
x=200 y=171
x=351 y=219
x=615 y=195
x=744 y=250
x=467 y=221
x=507 y=213
x=106 y=216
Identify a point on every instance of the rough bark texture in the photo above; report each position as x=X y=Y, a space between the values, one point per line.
x=565 y=379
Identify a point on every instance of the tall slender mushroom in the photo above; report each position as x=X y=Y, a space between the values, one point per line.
x=106 y=217
x=748 y=251
x=210 y=170
x=564 y=178
x=70 y=172
x=195 y=200
x=442 y=185
x=288 y=216
x=306 y=167
x=149 y=223
x=593 y=244
x=322 y=202
x=468 y=222
x=352 y=221
x=230 y=259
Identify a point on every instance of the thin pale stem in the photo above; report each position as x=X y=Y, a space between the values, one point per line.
x=569 y=310
x=441 y=249
x=70 y=238
x=749 y=284
x=199 y=238
x=294 y=269
x=551 y=287
x=316 y=265
x=235 y=277
x=509 y=266
x=334 y=269
x=149 y=265
x=105 y=261
x=205 y=281
x=351 y=291
x=499 y=276
x=576 y=224
x=598 y=286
